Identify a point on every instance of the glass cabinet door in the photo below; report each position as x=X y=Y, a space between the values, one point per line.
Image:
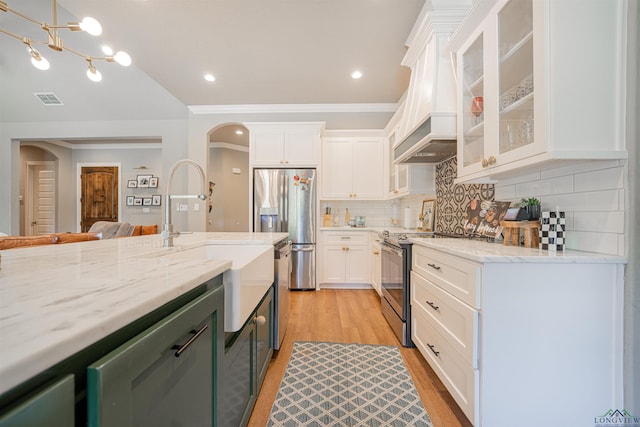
x=473 y=103
x=515 y=75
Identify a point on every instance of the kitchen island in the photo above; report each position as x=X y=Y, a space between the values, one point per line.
x=511 y=329
x=57 y=300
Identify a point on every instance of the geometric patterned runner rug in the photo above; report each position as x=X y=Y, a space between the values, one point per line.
x=330 y=384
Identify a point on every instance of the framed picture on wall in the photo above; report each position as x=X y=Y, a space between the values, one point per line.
x=137 y=201
x=428 y=215
x=132 y=183
x=130 y=200
x=146 y=201
x=156 y=200
x=153 y=182
x=143 y=181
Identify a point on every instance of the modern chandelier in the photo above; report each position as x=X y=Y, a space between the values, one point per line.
x=88 y=25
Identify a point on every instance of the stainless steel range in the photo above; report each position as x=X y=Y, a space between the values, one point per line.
x=396 y=291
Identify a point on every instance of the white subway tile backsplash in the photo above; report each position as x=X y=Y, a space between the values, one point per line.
x=525 y=177
x=605 y=222
x=607 y=200
x=606 y=243
x=505 y=192
x=574 y=167
x=558 y=185
x=591 y=193
x=604 y=179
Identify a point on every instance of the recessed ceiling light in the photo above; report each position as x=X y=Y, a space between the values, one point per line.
x=239 y=132
x=356 y=74
x=209 y=78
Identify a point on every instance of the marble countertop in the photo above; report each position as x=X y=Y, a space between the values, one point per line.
x=483 y=251
x=55 y=300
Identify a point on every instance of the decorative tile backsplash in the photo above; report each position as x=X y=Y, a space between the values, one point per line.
x=453 y=199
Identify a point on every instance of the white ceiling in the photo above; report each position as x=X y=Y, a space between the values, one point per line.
x=260 y=51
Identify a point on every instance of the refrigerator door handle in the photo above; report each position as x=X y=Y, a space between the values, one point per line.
x=302 y=250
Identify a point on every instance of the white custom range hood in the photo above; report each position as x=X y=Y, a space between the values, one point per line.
x=426 y=132
x=432 y=141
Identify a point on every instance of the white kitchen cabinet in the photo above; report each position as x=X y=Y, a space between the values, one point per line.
x=409 y=179
x=345 y=257
x=498 y=330
x=412 y=179
x=352 y=168
x=284 y=144
x=376 y=262
x=539 y=83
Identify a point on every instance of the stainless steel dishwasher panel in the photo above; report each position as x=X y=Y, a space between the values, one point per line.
x=303 y=262
x=282 y=279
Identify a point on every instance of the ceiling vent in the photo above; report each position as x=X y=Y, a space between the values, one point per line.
x=48 y=98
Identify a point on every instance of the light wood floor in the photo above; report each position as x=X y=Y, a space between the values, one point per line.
x=351 y=316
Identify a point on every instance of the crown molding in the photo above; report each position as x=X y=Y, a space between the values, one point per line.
x=229 y=146
x=294 y=108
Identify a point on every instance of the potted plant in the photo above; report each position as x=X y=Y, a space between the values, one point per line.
x=532 y=206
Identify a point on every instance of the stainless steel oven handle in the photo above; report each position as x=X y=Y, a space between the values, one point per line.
x=302 y=250
x=386 y=247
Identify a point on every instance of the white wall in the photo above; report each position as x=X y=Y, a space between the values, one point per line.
x=172 y=133
x=230 y=208
x=632 y=279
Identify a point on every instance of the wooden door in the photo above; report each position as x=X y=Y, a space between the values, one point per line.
x=99 y=198
x=41 y=211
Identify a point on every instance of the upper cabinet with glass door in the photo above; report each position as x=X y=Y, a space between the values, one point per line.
x=539 y=82
x=472 y=118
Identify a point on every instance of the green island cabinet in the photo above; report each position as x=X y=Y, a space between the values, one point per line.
x=247 y=356
x=53 y=406
x=163 y=369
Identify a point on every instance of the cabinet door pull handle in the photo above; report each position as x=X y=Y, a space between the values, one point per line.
x=434 y=266
x=435 y=307
x=180 y=348
x=259 y=320
x=431 y=347
x=376 y=252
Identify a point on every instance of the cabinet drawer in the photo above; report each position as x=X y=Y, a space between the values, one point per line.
x=455 y=320
x=459 y=277
x=356 y=238
x=461 y=380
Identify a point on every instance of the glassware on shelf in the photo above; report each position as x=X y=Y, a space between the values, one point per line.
x=477 y=107
x=516 y=92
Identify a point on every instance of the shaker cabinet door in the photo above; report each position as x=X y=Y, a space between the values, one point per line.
x=162 y=377
x=53 y=407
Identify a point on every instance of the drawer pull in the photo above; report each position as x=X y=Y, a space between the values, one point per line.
x=435 y=307
x=183 y=347
x=431 y=347
x=436 y=267
x=345 y=237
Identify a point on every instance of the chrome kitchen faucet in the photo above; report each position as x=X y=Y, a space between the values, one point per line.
x=167 y=229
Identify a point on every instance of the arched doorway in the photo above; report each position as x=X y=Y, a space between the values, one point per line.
x=228 y=204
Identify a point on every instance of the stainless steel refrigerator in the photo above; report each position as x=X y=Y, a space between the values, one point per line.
x=284 y=200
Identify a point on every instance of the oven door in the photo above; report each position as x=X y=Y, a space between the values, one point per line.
x=393 y=278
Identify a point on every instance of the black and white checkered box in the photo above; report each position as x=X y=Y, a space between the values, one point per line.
x=552 y=231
